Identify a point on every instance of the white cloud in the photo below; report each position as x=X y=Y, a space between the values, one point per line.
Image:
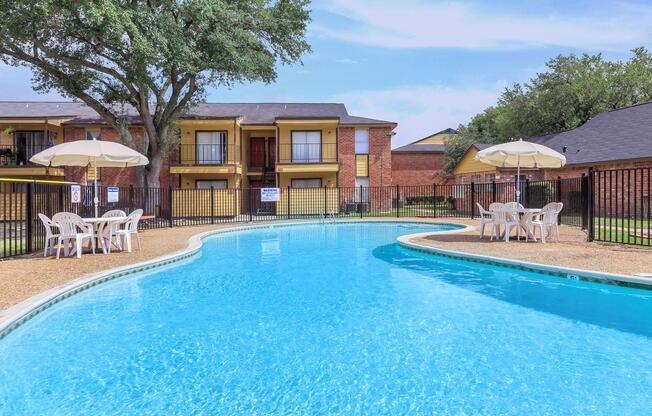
x=420 y=110
x=416 y=24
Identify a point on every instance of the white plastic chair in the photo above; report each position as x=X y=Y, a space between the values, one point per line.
x=107 y=233
x=547 y=221
x=51 y=233
x=70 y=226
x=130 y=228
x=503 y=216
x=486 y=217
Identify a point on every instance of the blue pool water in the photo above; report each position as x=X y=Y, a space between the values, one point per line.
x=333 y=319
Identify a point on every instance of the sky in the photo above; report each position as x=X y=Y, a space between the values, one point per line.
x=427 y=65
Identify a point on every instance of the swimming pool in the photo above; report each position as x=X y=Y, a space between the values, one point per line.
x=338 y=319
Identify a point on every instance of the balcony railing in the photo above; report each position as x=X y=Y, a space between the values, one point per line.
x=205 y=154
x=308 y=153
x=19 y=155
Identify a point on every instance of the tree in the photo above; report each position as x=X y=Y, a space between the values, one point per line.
x=156 y=56
x=570 y=92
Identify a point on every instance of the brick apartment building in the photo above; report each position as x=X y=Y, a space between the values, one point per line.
x=617 y=139
x=421 y=162
x=222 y=145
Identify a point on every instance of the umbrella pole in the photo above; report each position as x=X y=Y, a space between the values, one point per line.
x=518 y=181
x=96 y=200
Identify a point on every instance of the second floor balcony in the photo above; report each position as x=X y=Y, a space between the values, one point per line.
x=308 y=153
x=205 y=154
x=19 y=155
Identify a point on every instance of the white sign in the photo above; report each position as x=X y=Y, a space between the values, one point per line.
x=112 y=194
x=75 y=194
x=270 y=194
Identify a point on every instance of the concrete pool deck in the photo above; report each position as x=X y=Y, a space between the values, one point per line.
x=27 y=276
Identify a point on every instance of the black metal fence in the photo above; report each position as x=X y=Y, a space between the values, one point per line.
x=621 y=206
x=614 y=206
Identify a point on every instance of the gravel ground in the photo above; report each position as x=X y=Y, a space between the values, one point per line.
x=26 y=276
x=571 y=251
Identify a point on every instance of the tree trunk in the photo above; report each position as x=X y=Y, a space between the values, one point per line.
x=153 y=171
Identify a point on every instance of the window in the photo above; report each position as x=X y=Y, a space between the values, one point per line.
x=489 y=177
x=361 y=165
x=208 y=184
x=93 y=134
x=306 y=146
x=361 y=142
x=462 y=180
x=27 y=144
x=361 y=189
x=475 y=178
x=306 y=183
x=210 y=147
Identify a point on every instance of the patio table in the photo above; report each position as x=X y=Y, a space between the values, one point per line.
x=524 y=215
x=99 y=224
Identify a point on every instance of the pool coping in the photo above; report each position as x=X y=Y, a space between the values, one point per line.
x=16 y=315
x=559 y=271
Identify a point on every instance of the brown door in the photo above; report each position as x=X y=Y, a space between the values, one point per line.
x=257 y=152
x=271 y=152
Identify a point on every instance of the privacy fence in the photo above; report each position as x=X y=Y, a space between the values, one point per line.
x=613 y=206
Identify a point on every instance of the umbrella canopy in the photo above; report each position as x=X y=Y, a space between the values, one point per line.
x=95 y=153
x=521 y=154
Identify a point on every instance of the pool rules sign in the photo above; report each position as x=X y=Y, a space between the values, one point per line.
x=270 y=194
x=75 y=194
x=112 y=194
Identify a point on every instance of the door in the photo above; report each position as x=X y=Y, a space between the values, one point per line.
x=27 y=144
x=257 y=152
x=210 y=147
x=271 y=153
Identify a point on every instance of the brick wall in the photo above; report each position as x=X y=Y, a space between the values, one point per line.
x=122 y=177
x=346 y=156
x=380 y=156
x=411 y=169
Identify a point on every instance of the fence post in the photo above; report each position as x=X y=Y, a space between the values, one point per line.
x=29 y=216
x=559 y=198
x=325 y=202
x=398 y=200
x=289 y=201
x=434 y=200
x=493 y=191
x=212 y=204
x=526 y=192
x=472 y=200
x=584 y=202
x=170 y=221
x=590 y=212
x=131 y=198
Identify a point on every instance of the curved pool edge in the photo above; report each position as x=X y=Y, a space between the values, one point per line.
x=16 y=315
x=563 y=272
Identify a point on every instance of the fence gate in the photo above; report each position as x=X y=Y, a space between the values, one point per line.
x=621 y=210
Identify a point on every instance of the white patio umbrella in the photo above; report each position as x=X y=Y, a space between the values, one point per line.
x=94 y=153
x=520 y=154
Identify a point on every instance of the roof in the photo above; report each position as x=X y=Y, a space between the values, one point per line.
x=482 y=146
x=418 y=147
x=248 y=113
x=620 y=134
x=421 y=148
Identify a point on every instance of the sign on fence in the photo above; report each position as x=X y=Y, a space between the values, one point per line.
x=270 y=194
x=75 y=194
x=112 y=193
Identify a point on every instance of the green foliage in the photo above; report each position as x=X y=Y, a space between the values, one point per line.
x=156 y=57
x=572 y=90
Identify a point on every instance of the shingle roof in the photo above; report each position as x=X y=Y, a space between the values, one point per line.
x=482 y=146
x=249 y=113
x=421 y=148
x=620 y=134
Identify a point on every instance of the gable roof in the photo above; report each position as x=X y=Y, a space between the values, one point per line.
x=620 y=134
x=418 y=147
x=248 y=113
